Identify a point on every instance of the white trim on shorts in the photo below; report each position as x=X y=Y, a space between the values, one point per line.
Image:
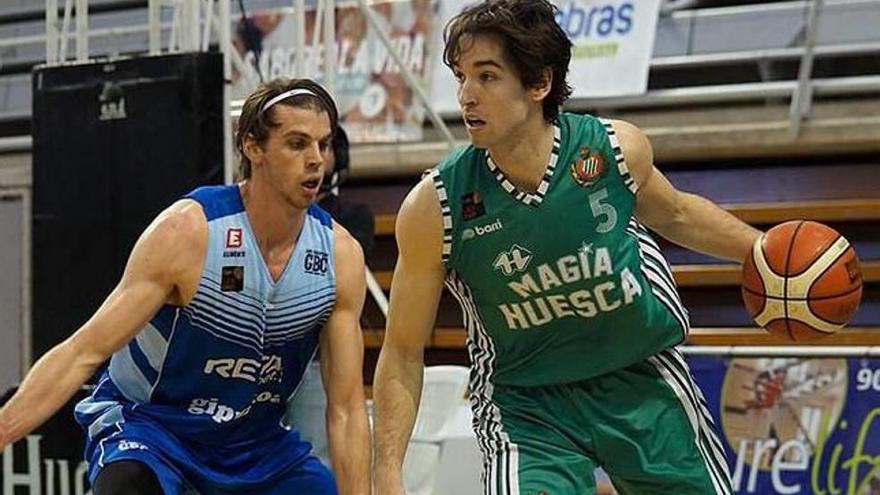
x=674 y=370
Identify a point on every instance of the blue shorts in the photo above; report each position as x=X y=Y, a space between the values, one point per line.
x=308 y=476
x=280 y=464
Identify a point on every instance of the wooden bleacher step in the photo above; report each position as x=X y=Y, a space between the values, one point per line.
x=839 y=210
x=454 y=338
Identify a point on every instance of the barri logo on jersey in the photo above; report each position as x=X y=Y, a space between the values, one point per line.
x=582 y=284
x=478 y=230
x=587 y=168
x=316 y=262
x=232 y=279
x=472 y=206
x=515 y=259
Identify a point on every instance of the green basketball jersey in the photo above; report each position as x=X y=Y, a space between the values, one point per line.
x=562 y=284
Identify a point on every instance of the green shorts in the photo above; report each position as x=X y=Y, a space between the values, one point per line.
x=646 y=425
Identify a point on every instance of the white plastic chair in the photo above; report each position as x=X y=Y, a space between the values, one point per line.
x=443 y=391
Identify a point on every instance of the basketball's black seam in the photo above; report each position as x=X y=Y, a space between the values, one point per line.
x=785 y=279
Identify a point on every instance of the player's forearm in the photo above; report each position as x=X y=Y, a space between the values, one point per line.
x=397 y=390
x=707 y=228
x=47 y=387
x=348 y=433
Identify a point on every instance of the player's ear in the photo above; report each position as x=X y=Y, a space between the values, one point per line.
x=542 y=88
x=252 y=149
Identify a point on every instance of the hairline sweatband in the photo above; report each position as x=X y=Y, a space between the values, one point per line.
x=285 y=95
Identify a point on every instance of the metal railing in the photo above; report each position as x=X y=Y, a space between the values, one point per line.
x=782 y=351
x=130 y=40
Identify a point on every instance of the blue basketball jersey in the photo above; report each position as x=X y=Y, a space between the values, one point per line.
x=215 y=374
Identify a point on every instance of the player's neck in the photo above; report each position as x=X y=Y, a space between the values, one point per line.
x=524 y=153
x=275 y=223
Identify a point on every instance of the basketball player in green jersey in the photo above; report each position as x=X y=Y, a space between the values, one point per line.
x=539 y=230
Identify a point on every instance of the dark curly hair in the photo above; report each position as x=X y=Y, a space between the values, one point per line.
x=530 y=35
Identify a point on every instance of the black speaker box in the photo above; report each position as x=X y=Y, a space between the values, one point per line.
x=115 y=143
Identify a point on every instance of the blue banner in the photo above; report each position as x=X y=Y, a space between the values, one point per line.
x=796 y=425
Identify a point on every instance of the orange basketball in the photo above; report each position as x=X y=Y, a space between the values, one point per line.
x=802 y=281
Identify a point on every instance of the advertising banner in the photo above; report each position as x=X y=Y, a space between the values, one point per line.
x=375 y=102
x=49 y=460
x=796 y=425
x=613 y=44
x=788 y=425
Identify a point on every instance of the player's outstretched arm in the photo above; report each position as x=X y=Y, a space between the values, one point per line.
x=152 y=276
x=686 y=219
x=415 y=294
x=342 y=357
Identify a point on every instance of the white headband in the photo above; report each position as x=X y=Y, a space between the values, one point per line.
x=285 y=95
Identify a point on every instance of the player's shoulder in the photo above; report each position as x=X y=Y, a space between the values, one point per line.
x=634 y=142
x=183 y=226
x=419 y=226
x=173 y=246
x=461 y=156
x=348 y=250
x=345 y=242
x=218 y=201
x=631 y=139
x=579 y=122
x=422 y=201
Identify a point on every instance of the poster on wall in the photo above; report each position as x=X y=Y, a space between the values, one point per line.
x=375 y=102
x=796 y=425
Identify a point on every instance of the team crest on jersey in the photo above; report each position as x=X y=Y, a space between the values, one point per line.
x=587 y=168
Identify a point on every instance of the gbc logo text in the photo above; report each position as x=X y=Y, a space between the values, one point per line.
x=470 y=233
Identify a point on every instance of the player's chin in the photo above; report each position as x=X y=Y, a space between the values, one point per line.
x=301 y=201
x=479 y=141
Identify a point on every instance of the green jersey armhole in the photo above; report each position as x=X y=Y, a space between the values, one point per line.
x=445 y=211
x=619 y=163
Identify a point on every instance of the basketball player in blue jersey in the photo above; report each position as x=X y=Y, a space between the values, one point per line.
x=222 y=305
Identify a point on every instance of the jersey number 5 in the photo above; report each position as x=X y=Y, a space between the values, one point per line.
x=605 y=212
